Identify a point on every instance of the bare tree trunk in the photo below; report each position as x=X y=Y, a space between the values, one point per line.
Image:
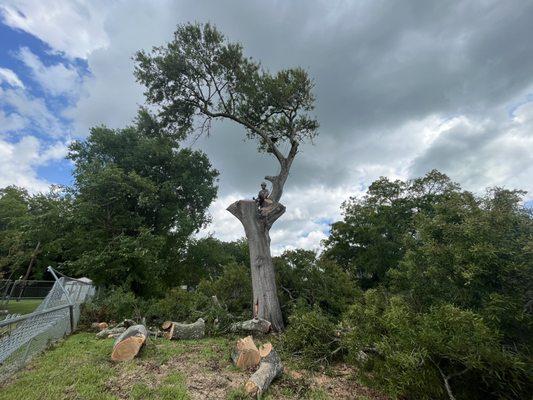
x=257 y=226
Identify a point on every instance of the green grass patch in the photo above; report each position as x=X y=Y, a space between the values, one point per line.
x=78 y=368
x=24 y=306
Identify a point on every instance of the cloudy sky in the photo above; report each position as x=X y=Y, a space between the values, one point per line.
x=401 y=87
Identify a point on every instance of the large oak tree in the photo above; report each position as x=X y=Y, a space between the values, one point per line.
x=199 y=76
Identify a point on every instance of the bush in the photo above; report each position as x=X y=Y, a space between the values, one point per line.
x=178 y=305
x=233 y=289
x=112 y=305
x=404 y=352
x=311 y=336
x=308 y=281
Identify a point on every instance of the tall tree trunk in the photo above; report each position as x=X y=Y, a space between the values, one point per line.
x=257 y=224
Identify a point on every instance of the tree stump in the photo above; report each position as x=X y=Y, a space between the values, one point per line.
x=128 y=344
x=176 y=330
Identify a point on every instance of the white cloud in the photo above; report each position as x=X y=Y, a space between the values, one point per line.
x=27 y=112
x=483 y=152
x=8 y=76
x=57 y=79
x=19 y=161
x=73 y=27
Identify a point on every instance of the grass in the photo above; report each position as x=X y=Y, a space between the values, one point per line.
x=80 y=368
x=24 y=306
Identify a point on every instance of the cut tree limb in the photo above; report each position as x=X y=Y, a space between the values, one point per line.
x=128 y=344
x=104 y=333
x=269 y=369
x=176 y=330
x=245 y=354
x=255 y=325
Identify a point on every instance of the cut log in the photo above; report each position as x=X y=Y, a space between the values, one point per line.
x=177 y=330
x=99 y=325
x=104 y=333
x=245 y=354
x=128 y=344
x=166 y=325
x=255 y=325
x=265 y=349
x=269 y=369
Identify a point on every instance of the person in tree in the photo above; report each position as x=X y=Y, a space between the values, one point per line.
x=262 y=195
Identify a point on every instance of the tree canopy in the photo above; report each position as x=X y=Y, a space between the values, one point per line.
x=200 y=76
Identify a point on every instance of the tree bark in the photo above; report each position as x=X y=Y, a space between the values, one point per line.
x=256 y=325
x=257 y=224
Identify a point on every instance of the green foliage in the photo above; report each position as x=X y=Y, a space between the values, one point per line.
x=233 y=289
x=371 y=238
x=32 y=226
x=114 y=304
x=451 y=305
x=201 y=75
x=305 y=280
x=311 y=336
x=177 y=305
x=407 y=353
x=205 y=259
x=138 y=197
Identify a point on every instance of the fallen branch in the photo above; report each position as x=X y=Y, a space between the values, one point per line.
x=100 y=326
x=110 y=332
x=128 y=344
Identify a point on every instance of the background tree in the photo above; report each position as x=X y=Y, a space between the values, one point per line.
x=370 y=239
x=198 y=77
x=33 y=229
x=137 y=197
x=449 y=314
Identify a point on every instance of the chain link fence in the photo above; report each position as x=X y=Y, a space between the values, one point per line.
x=22 y=337
x=14 y=290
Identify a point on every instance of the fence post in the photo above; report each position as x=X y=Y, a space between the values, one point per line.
x=71 y=315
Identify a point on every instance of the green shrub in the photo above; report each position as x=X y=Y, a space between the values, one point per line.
x=308 y=281
x=408 y=353
x=178 y=305
x=112 y=305
x=311 y=336
x=233 y=289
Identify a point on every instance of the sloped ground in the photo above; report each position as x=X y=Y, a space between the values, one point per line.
x=80 y=369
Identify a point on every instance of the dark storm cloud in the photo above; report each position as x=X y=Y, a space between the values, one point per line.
x=378 y=65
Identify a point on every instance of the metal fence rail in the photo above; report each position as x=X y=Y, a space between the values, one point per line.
x=22 y=337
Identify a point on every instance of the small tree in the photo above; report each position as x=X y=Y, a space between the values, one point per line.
x=198 y=77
